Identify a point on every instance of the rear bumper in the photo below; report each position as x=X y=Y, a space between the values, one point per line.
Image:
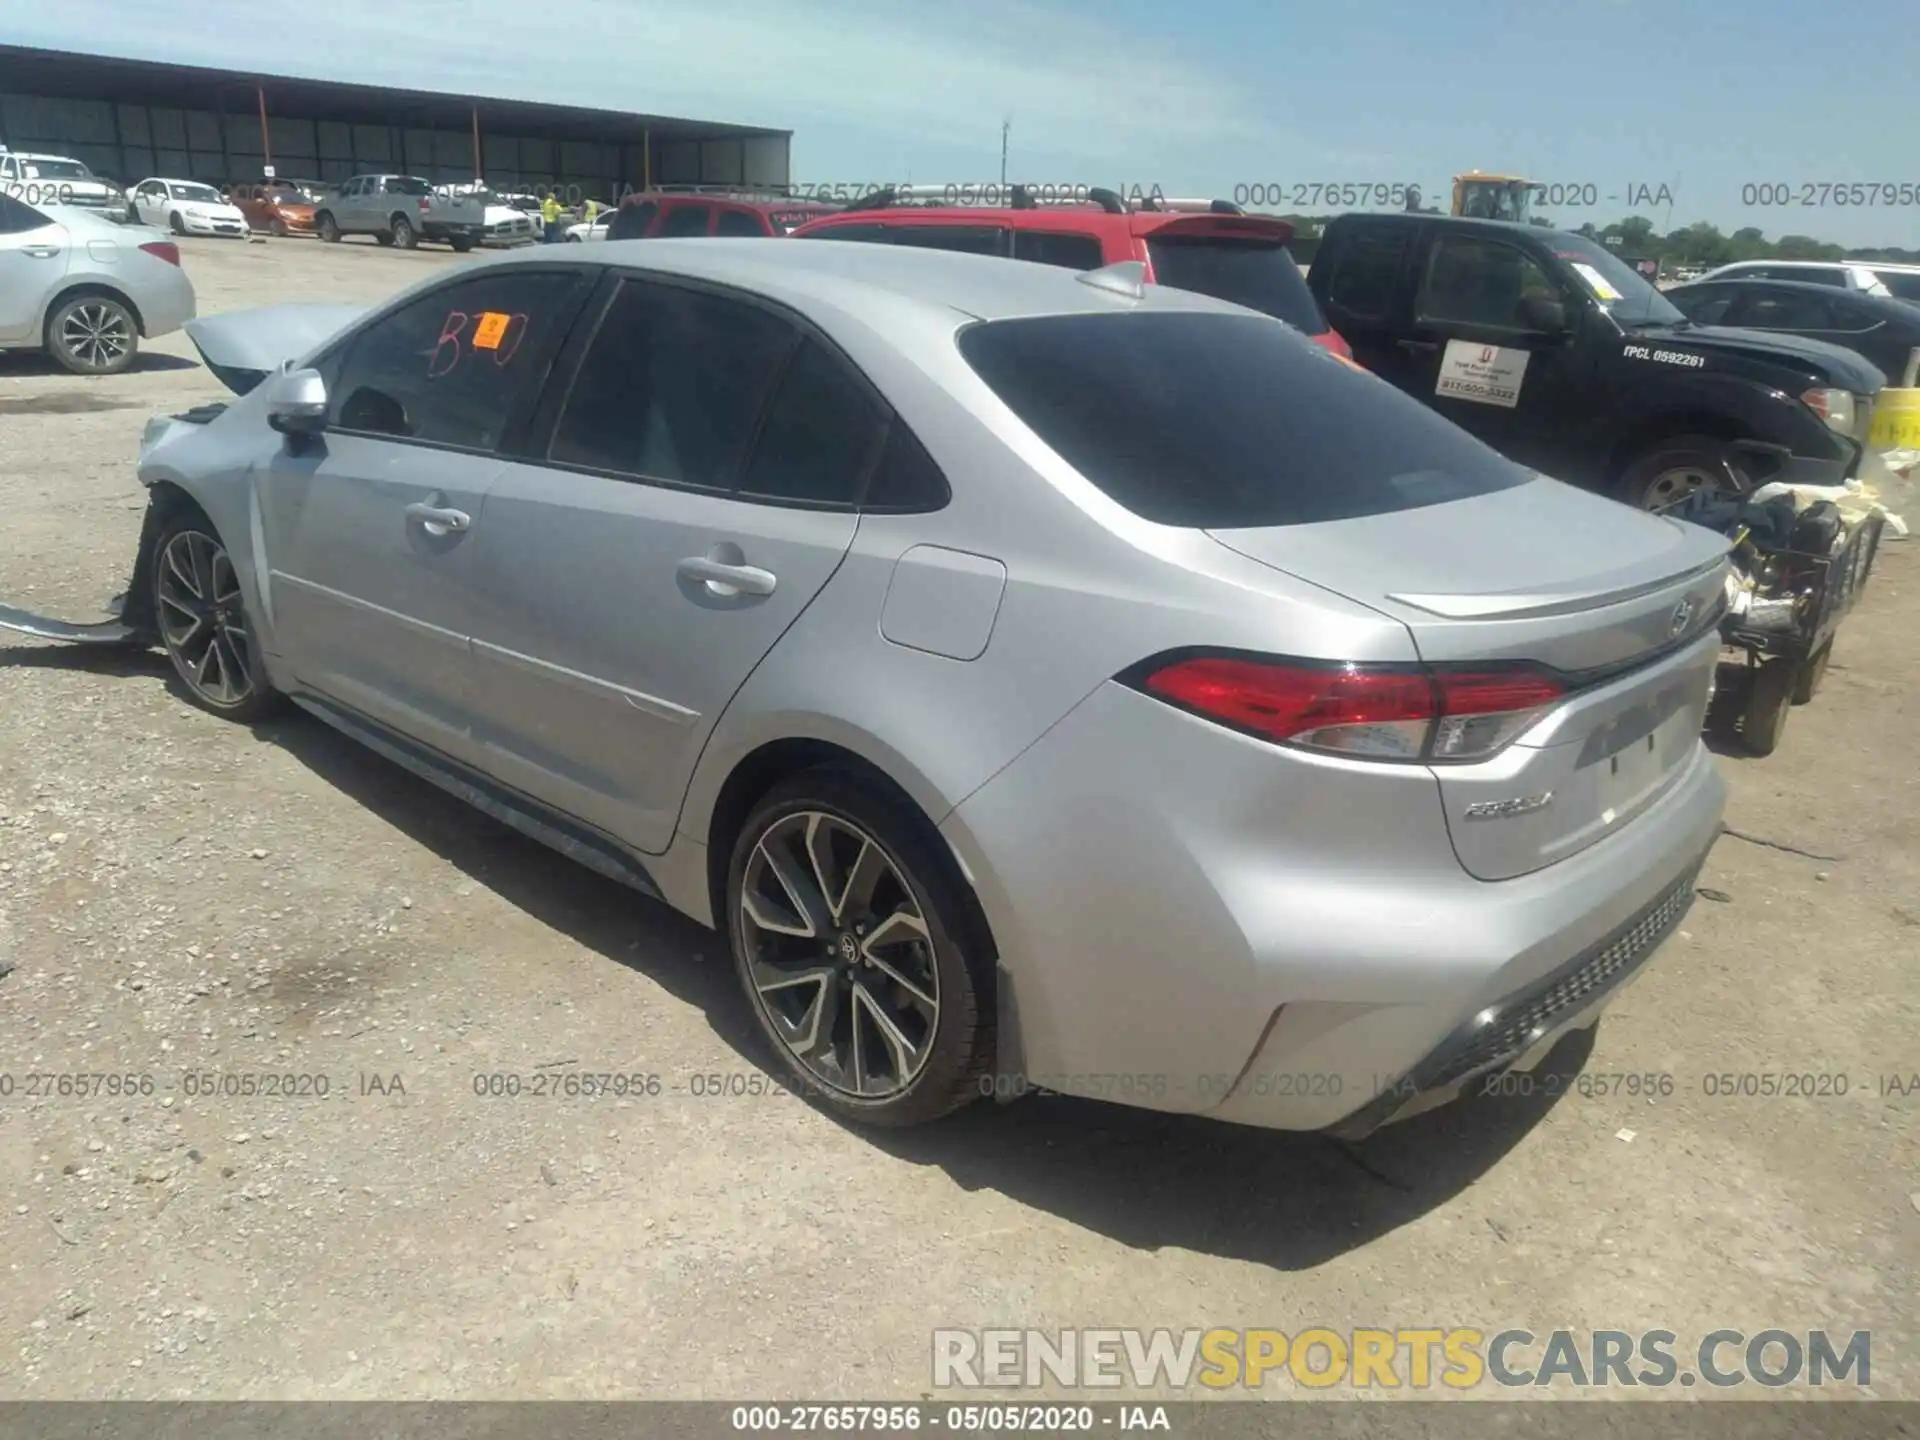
x=165 y=298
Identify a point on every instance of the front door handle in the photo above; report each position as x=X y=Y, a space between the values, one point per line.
x=437 y=519
x=1418 y=347
x=728 y=580
x=40 y=252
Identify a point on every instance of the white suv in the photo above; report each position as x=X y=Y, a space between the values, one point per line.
x=1899 y=282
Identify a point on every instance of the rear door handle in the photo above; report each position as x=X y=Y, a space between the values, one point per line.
x=728 y=580
x=437 y=519
x=1418 y=347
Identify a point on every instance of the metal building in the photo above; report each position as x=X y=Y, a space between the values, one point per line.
x=129 y=119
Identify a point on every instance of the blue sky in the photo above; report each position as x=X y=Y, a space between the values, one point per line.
x=1199 y=97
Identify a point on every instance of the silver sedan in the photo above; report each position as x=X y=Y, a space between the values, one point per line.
x=84 y=288
x=1040 y=679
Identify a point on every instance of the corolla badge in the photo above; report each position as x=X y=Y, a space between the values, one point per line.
x=1507 y=809
x=1682 y=617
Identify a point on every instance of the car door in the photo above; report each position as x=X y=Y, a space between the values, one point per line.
x=33 y=259
x=350 y=210
x=145 y=195
x=1474 y=355
x=649 y=551
x=369 y=527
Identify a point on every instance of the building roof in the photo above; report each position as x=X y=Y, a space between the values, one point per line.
x=68 y=75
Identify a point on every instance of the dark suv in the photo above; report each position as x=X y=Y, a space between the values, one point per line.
x=670 y=210
x=1203 y=245
x=1554 y=351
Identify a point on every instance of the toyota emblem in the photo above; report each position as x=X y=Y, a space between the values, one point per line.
x=1682 y=617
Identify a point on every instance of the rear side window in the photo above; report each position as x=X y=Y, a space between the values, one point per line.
x=1707 y=305
x=632 y=221
x=1071 y=252
x=671 y=386
x=1260 y=275
x=1786 y=310
x=820 y=436
x=1222 y=421
x=741 y=223
x=1366 y=271
x=907 y=477
x=18 y=219
x=1902 y=284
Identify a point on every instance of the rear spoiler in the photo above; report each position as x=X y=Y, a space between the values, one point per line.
x=1224 y=225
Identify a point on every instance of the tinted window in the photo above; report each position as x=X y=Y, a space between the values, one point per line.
x=632 y=221
x=1478 y=282
x=1904 y=284
x=877 y=233
x=1769 y=309
x=671 y=386
x=17 y=219
x=907 y=478
x=739 y=222
x=407 y=185
x=453 y=366
x=820 y=434
x=1705 y=305
x=685 y=220
x=1260 y=275
x=1803 y=274
x=1224 y=421
x=970 y=239
x=1366 y=270
x=1073 y=252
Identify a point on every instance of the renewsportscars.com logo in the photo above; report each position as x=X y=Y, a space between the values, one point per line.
x=1419 y=1359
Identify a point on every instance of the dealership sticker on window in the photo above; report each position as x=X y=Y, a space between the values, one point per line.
x=1484 y=374
x=491 y=330
x=1596 y=282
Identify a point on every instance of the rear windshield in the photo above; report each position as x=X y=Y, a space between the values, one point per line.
x=1260 y=275
x=408 y=185
x=1222 y=421
x=1904 y=284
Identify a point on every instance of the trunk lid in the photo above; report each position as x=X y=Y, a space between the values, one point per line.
x=1622 y=604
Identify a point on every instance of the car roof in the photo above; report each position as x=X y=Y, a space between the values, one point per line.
x=737 y=199
x=1075 y=219
x=1901 y=309
x=868 y=279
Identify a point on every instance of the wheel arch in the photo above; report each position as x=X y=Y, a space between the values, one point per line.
x=1650 y=430
x=79 y=288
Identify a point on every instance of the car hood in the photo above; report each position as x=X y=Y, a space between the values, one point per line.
x=243 y=347
x=1842 y=366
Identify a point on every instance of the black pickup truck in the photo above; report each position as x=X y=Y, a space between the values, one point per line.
x=1560 y=355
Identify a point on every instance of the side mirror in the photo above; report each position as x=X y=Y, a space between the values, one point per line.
x=1549 y=317
x=297 y=403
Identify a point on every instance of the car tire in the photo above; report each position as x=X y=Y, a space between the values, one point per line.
x=1763 y=716
x=404 y=235
x=202 y=622
x=1666 y=472
x=383 y=237
x=327 y=227
x=461 y=244
x=888 y=1031
x=93 y=334
x=176 y=224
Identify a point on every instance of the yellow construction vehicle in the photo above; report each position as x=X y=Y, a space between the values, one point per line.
x=1492 y=197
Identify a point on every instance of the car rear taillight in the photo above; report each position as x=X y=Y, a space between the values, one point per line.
x=1833 y=406
x=1331 y=338
x=423 y=204
x=163 y=250
x=1370 y=712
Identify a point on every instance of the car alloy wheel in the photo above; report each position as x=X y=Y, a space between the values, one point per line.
x=403 y=234
x=839 y=955
x=94 y=335
x=329 y=229
x=203 y=622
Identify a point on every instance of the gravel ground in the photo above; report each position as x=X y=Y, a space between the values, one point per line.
x=180 y=896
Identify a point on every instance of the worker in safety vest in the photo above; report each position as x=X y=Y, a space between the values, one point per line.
x=550 y=213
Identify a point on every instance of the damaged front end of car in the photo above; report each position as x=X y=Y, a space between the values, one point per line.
x=240 y=350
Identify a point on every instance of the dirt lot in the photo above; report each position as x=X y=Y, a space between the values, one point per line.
x=179 y=895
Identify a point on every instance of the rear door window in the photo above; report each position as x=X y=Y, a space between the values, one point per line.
x=743 y=223
x=873 y=234
x=1479 y=283
x=1047 y=247
x=685 y=220
x=1768 y=309
x=1258 y=274
x=1224 y=421
x=1706 y=304
x=1366 y=271
x=968 y=239
x=632 y=221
